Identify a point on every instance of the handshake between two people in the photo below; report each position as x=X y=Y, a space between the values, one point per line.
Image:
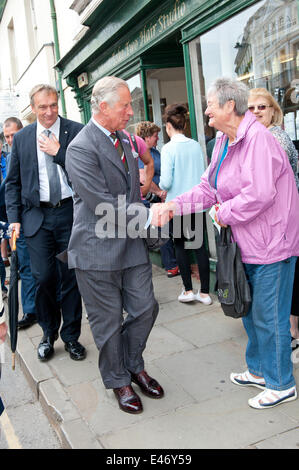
x=162 y=213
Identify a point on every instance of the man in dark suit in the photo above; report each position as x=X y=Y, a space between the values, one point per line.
x=39 y=198
x=3 y=217
x=112 y=268
x=10 y=127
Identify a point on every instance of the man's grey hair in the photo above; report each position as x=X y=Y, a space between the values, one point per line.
x=106 y=89
x=41 y=87
x=227 y=89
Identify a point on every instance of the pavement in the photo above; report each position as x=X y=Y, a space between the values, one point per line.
x=191 y=351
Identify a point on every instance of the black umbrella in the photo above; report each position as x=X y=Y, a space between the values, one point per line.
x=13 y=299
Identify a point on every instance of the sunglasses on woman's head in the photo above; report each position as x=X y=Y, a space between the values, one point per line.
x=260 y=107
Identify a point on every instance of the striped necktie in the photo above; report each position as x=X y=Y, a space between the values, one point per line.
x=119 y=148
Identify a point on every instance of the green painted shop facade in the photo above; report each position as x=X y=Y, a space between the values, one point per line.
x=171 y=50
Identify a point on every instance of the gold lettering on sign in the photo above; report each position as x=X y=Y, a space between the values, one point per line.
x=168 y=19
x=131 y=47
x=149 y=32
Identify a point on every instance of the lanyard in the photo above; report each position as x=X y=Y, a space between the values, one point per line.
x=221 y=160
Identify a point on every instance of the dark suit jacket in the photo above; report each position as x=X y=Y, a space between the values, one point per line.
x=22 y=182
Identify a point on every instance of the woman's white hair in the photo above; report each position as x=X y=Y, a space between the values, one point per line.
x=227 y=89
x=106 y=89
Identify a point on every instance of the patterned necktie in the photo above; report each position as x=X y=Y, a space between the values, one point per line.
x=54 y=181
x=119 y=148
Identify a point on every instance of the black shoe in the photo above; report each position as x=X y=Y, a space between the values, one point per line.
x=76 y=350
x=45 y=348
x=27 y=320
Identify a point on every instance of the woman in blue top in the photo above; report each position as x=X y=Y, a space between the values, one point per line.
x=182 y=166
x=148 y=131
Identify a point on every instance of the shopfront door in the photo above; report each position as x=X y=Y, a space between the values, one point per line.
x=164 y=87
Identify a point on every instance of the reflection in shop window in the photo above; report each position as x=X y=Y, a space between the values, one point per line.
x=259 y=46
x=134 y=84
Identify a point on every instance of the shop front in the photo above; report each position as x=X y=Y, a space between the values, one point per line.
x=171 y=51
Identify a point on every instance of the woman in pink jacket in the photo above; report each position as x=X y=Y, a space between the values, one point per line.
x=250 y=176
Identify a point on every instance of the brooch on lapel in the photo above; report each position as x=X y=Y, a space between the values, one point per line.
x=126 y=141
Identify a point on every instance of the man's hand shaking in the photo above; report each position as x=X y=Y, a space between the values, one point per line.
x=162 y=213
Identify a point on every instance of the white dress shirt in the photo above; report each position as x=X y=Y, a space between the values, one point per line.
x=44 y=190
x=108 y=133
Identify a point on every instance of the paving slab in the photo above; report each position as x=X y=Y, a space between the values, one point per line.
x=163 y=343
x=192 y=350
x=206 y=327
x=213 y=424
x=285 y=440
x=101 y=411
x=77 y=435
x=174 y=310
x=56 y=402
x=204 y=372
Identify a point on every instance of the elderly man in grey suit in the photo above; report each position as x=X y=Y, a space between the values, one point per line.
x=111 y=263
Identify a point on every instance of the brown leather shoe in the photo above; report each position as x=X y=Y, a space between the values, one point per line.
x=128 y=400
x=148 y=385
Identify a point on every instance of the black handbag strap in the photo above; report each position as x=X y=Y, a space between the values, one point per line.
x=134 y=142
x=225 y=235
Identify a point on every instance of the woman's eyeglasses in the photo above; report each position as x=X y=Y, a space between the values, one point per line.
x=260 y=107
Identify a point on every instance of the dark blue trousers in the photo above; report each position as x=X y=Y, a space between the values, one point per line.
x=28 y=283
x=51 y=239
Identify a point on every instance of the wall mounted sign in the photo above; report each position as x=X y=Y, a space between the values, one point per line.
x=168 y=19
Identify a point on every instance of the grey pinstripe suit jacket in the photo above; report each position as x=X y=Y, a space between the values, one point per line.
x=100 y=182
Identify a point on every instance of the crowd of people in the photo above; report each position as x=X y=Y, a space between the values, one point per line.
x=62 y=178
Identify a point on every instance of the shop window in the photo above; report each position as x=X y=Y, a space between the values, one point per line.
x=258 y=46
x=135 y=87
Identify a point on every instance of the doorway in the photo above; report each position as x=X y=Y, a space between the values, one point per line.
x=165 y=86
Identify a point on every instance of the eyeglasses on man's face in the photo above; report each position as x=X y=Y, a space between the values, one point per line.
x=260 y=107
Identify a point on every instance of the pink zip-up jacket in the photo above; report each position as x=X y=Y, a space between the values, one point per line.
x=257 y=192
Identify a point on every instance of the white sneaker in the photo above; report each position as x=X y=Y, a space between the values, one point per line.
x=183 y=297
x=205 y=300
x=245 y=379
x=269 y=398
